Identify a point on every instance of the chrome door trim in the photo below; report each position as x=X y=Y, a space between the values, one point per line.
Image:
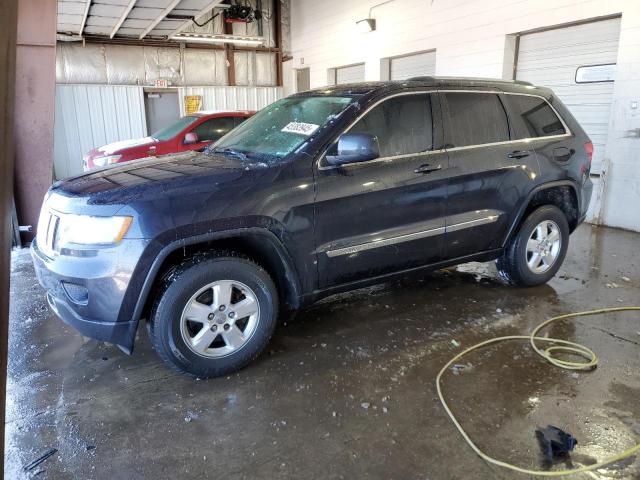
x=472 y=223
x=491 y=216
x=385 y=242
x=568 y=133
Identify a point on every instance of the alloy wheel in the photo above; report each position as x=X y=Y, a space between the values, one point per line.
x=220 y=318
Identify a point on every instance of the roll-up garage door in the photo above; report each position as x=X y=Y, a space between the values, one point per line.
x=415 y=65
x=552 y=59
x=350 y=74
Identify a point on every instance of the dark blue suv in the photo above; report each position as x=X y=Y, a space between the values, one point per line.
x=320 y=192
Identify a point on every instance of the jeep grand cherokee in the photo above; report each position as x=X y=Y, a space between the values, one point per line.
x=321 y=192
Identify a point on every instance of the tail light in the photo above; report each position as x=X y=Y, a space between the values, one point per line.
x=588 y=148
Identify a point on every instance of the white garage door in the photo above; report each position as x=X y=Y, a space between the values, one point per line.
x=414 y=65
x=551 y=59
x=350 y=74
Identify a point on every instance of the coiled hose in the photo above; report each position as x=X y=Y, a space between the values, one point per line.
x=558 y=346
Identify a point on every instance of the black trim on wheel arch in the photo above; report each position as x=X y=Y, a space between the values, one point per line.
x=206 y=237
x=523 y=207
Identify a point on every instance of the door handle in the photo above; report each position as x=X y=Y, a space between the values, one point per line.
x=426 y=168
x=519 y=154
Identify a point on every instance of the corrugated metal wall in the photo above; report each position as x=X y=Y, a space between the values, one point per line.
x=88 y=116
x=232 y=98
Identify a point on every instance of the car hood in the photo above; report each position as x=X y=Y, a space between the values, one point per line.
x=123 y=145
x=166 y=176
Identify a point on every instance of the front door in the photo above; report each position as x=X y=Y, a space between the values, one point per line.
x=387 y=214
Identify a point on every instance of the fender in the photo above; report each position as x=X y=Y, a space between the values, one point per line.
x=206 y=237
x=525 y=204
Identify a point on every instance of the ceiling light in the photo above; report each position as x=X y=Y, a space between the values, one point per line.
x=366 y=25
x=208 y=38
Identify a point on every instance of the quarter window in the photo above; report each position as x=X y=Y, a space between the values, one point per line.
x=402 y=125
x=538 y=118
x=475 y=119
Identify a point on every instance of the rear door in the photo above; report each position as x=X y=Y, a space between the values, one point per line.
x=490 y=170
x=386 y=214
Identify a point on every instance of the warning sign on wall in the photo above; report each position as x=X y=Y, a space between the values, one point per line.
x=192 y=103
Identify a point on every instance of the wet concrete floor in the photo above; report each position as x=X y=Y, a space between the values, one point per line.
x=347 y=389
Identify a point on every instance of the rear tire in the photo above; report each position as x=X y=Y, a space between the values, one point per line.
x=536 y=251
x=215 y=315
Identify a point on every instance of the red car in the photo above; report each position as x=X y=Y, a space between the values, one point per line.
x=192 y=132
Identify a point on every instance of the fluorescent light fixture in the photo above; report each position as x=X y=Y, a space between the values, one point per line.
x=366 y=25
x=209 y=38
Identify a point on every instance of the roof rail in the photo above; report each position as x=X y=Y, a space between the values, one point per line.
x=479 y=79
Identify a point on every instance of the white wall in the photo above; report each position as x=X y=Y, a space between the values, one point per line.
x=470 y=38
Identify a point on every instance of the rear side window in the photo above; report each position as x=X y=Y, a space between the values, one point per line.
x=538 y=118
x=475 y=119
x=402 y=124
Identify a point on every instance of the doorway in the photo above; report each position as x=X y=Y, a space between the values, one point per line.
x=161 y=109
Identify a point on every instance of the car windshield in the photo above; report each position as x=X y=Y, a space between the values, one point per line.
x=172 y=130
x=277 y=130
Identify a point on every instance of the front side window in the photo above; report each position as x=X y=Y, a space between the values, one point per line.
x=475 y=119
x=402 y=125
x=538 y=118
x=277 y=130
x=213 y=129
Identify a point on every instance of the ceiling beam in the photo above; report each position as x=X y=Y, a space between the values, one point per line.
x=84 y=17
x=206 y=9
x=163 y=14
x=123 y=18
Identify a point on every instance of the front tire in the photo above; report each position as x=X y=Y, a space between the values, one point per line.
x=537 y=250
x=214 y=315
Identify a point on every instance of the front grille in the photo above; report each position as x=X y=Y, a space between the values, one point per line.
x=48 y=232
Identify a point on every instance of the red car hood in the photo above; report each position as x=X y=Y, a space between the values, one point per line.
x=121 y=147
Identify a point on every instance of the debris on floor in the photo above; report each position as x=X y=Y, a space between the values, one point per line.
x=554 y=442
x=40 y=459
x=459 y=367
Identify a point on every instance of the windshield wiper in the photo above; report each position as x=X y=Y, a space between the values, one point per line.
x=230 y=151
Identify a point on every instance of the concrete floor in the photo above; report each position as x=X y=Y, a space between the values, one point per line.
x=300 y=410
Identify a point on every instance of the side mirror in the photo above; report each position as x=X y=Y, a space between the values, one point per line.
x=191 y=138
x=355 y=147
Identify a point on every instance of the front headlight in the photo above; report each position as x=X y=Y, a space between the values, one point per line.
x=108 y=160
x=86 y=230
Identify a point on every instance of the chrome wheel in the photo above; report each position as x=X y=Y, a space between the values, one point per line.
x=543 y=246
x=220 y=318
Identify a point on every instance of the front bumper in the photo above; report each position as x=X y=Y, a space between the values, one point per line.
x=104 y=275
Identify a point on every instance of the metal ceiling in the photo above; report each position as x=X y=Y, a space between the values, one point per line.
x=133 y=19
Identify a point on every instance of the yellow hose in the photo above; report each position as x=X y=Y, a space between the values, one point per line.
x=560 y=346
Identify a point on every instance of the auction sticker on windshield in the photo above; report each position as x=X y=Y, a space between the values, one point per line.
x=300 y=127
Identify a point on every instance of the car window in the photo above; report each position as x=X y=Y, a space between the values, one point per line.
x=214 y=129
x=174 y=129
x=282 y=127
x=239 y=120
x=538 y=118
x=475 y=119
x=402 y=125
